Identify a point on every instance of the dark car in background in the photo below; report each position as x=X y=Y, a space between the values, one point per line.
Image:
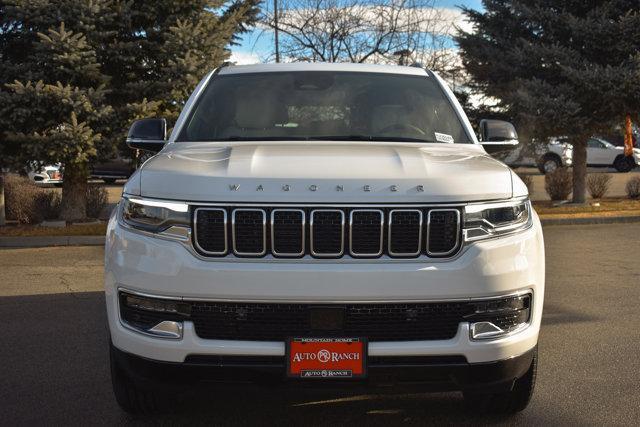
x=113 y=169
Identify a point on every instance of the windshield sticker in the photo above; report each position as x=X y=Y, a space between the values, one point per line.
x=443 y=137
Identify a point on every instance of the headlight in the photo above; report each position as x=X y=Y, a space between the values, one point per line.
x=154 y=216
x=483 y=221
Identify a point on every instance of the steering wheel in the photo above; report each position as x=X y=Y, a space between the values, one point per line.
x=402 y=126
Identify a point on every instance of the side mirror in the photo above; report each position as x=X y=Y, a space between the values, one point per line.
x=497 y=136
x=147 y=134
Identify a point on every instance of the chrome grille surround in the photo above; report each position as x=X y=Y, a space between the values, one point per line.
x=234 y=232
x=412 y=217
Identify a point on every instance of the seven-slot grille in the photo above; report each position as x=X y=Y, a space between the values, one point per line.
x=327 y=232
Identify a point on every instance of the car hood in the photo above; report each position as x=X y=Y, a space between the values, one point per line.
x=322 y=172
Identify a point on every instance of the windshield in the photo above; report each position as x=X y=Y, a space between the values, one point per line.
x=323 y=106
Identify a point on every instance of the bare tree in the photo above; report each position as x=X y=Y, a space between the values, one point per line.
x=380 y=31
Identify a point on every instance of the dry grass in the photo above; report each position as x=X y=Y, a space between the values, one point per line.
x=70 y=230
x=608 y=207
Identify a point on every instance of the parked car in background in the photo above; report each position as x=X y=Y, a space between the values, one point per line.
x=546 y=157
x=46 y=175
x=601 y=153
x=113 y=169
x=558 y=154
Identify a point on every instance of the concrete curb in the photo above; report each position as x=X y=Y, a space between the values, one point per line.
x=590 y=220
x=45 y=241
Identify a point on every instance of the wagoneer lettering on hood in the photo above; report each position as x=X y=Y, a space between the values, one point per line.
x=317 y=172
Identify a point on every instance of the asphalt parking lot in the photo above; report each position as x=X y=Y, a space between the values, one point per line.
x=54 y=365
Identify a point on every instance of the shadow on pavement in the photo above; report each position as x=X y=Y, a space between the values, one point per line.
x=55 y=370
x=555 y=314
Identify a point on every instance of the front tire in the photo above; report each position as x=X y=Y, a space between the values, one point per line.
x=130 y=396
x=623 y=164
x=506 y=403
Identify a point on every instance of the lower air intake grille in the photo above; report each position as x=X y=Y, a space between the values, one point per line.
x=279 y=321
x=377 y=322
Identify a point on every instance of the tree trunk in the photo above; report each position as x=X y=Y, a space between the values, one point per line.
x=579 y=169
x=74 y=190
x=2 y=215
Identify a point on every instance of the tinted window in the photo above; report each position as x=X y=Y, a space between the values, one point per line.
x=594 y=143
x=323 y=105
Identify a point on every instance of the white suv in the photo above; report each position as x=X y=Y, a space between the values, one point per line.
x=324 y=223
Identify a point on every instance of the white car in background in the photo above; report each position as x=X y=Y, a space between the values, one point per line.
x=546 y=157
x=46 y=175
x=559 y=153
x=601 y=153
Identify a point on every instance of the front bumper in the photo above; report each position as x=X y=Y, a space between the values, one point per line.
x=436 y=373
x=483 y=269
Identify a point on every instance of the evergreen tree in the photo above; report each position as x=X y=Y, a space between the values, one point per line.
x=564 y=67
x=75 y=73
x=50 y=121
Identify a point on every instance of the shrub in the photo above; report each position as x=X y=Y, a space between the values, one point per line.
x=96 y=200
x=47 y=204
x=633 y=187
x=558 y=184
x=19 y=196
x=598 y=184
x=528 y=181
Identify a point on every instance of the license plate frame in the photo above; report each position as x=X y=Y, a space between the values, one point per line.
x=322 y=347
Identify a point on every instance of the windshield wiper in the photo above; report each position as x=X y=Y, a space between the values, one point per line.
x=367 y=138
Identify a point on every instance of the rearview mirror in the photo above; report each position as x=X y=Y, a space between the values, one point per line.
x=147 y=134
x=497 y=136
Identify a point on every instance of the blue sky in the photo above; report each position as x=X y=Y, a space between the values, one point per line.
x=257 y=44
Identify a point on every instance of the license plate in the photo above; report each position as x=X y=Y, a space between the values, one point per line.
x=326 y=358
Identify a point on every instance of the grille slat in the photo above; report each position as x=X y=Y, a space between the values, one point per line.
x=287 y=232
x=327 y=233
x=249 y=232
x=211 y=229
x=443 y=229
x=366 y=228
x=405 y=232
x=322 y=233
